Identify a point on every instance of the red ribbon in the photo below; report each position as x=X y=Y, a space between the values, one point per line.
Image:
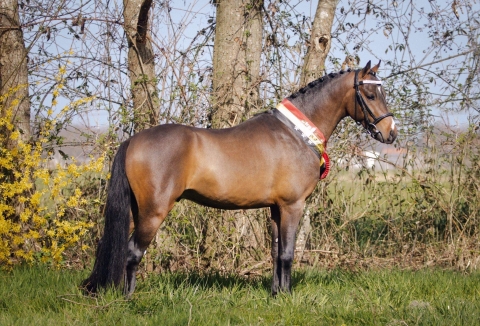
x=297 y=113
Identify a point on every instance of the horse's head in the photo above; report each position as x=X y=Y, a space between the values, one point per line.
x=368 y=105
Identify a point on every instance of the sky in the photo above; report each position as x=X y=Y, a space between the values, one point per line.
x=379 y=36
x=370 y=40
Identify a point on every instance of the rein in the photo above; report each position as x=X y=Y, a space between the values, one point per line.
x=370 y=127
x=310 y=134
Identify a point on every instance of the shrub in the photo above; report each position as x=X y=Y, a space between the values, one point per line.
x=43 y=212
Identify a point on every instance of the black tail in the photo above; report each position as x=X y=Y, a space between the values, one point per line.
x=111 y=254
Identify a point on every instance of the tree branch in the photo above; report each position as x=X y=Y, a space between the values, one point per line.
x=430 y=63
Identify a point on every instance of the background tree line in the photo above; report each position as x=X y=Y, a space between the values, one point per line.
x=80 y=77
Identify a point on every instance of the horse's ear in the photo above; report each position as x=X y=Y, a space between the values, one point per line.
x=366 y=69
x=375 y=69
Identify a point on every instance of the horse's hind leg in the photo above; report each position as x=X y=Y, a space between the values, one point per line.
x=146 y=226
x=135 y=255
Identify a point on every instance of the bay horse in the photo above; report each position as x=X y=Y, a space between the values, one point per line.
x=265 y=161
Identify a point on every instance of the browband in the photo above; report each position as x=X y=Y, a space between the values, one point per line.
x=376 y=82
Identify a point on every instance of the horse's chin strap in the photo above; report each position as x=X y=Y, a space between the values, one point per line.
x=370 y=126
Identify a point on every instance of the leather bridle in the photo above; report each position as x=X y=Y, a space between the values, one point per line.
x=370 y=126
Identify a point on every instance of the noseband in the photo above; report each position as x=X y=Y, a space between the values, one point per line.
x=371 y=127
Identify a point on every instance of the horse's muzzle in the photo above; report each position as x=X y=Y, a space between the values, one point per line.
x=378 y=135
x=392 y=136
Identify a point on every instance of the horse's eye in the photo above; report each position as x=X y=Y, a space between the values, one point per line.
x=371 y=96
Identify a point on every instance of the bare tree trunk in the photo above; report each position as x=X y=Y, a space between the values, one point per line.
x=320 y=42
x=14 y=77
x=141 y=63
x=13 y=67
x=141 y=70
x=313 y=68
x=236 y=73
x=236 y=60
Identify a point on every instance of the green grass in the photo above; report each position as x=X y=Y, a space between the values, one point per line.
x=39 y=296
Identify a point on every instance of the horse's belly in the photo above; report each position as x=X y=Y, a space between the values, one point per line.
x=225 y=202
x=245 y=171
x=231 y=191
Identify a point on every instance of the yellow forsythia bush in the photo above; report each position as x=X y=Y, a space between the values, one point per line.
x=42 y=211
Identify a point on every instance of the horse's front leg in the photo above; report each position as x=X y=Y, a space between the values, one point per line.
x=289 y=218
x=275 y=248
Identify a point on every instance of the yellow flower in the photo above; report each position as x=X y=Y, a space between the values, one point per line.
x=35 y=199
x=15 y=135
x=25 y=215
x=72 y=202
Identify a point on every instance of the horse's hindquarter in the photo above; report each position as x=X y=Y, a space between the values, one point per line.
x=158 y=162
x=255 y=164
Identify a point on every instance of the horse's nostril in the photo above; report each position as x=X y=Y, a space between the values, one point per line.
x=393 y=135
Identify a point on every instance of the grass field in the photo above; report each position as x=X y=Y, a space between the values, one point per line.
x=39 y=296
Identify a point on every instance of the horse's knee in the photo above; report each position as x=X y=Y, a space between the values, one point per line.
x=286 y=259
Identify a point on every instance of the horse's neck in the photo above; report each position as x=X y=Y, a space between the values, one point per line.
x=324 y=110
x=330 y=117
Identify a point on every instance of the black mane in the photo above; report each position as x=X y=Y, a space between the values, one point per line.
x=318 y=83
